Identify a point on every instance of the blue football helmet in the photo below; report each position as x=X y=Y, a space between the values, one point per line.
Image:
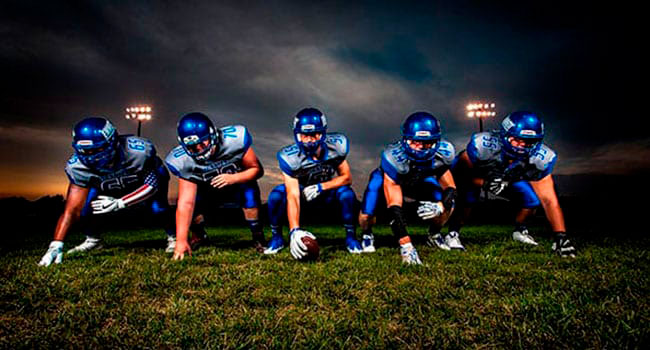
x=310 y=121
x=94 y=140
x=424 y=127
x=198 y=136
x=525 y=126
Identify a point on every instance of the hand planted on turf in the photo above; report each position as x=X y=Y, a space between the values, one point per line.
x=106 y=204
x=429 y=210
x=496 y=185
x=298 y=248
x=311 y=192
x=223 y=180
x=180 y=250
x=54 y=254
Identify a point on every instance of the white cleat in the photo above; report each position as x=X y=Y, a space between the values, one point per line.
x=89 y=244
x=437 y=241
x=171 y=244
x=523 y=237
x=368 y=243
x=453 y=241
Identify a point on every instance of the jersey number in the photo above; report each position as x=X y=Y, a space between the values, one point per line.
x=118 y=183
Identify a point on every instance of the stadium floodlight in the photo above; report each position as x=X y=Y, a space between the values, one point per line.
x=139 y=113
x=481 y=110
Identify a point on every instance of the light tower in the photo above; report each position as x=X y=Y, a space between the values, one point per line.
x=481 y=110
x=139 y=113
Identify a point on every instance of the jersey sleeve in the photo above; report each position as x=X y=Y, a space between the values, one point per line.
x=544 y=160
x=77 y=173
x=288 y=160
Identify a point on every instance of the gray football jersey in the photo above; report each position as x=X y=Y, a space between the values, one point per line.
x=308 y=171
x=484 y=150
x=406 y=172
x=233 y=142
x=136 y=158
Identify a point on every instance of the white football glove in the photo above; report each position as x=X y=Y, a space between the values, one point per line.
x=312 y=191
x=54 y=254
x=106 y=204
x=429 y=210
x=496 y=186
x=298 y=248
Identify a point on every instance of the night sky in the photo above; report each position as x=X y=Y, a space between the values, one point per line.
x=366 y=65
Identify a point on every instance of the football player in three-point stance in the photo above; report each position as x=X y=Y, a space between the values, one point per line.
x=309 y=167
x=512 y=162
x=213 y=165
x=108 y=172
x=416 y=167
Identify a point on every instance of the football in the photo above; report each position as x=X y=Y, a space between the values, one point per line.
x=313 y=249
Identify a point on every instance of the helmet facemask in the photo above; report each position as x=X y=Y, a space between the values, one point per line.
x=200 y=149
x=420 y=149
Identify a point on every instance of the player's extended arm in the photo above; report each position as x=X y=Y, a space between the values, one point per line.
x=344 y=178
x=393 y=193
x=106 y=204
x=293 y=201
x=74 y=203
x=546 y=192
x=253 y=170
x=184 y=211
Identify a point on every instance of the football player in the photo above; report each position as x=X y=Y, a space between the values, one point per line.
x=108 y=172
x=213 y=166
x=417 y=167
x=314 y=169
x=512 y=162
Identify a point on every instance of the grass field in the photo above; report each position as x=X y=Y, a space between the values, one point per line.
x=498 y=294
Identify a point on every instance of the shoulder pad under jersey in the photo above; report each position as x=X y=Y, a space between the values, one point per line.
x=394 y=161
x=233 y=140
x=77 y=172
x=337 y=145
x=544 y=161
x=446 y=152
x=483 y=146
x=179 y=162
x=289 y=158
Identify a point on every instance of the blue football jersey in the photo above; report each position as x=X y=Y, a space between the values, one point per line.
x=136 y=157
x=406 y=172
x=484 y=150
x=309 y=171
x=233 y=142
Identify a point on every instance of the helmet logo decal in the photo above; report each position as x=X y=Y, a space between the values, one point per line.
x=190 y=139
x=507 y=123
x=85 y=143
x=323 y=120
x=423 y=133
x=529 y=132
x=108 y=130
x=308 y=128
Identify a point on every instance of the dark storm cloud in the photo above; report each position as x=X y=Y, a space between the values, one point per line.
x=366 y=66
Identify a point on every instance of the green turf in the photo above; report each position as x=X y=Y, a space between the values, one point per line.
x=498 y=294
